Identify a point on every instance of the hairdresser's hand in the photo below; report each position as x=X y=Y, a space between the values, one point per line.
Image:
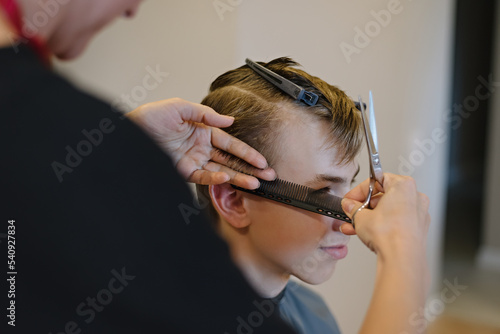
x=399 y=220
x=202 y=152
x=396 y=230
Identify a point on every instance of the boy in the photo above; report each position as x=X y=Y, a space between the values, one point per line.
x=314 y=146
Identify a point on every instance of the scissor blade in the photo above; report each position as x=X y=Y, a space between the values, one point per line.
x=371 y=121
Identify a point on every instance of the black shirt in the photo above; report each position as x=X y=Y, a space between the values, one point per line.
x=103 y=240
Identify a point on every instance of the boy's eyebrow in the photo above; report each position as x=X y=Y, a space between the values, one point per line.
x=330 y=178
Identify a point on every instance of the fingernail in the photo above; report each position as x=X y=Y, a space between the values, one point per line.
x=347 y=205
x=340 y=229
x=254 y=184
x=273 y=172
x=275 y=175
x=227 y=178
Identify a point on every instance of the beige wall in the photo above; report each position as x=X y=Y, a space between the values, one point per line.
x=186 y=39
x=406 y=63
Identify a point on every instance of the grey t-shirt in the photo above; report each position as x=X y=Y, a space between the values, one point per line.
x=306 y=311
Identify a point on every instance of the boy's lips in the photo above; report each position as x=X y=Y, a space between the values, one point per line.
x=337 y=252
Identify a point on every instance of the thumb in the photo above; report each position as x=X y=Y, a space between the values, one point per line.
x=349 y=206
x=195 y=112
x=215 y=119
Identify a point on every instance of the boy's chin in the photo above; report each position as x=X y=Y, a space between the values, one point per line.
x=317 y=277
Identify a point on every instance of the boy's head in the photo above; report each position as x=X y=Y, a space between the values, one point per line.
x=309 y=145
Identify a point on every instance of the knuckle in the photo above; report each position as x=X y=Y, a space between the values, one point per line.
x=409 y=182
x=211 y=167
x=425 y=199
x=177 y=100
x=390 y=175
x=401 y=181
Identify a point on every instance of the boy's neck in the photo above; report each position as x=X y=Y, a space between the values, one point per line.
x=265 y=277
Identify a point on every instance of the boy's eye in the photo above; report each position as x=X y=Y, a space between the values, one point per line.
x=324 y=190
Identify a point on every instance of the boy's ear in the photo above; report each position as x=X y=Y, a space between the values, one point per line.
x=230 y=205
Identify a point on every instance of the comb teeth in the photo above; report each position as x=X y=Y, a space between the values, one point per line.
x=301 y=197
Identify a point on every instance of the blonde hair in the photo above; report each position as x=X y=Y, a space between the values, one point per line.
x=259 y=109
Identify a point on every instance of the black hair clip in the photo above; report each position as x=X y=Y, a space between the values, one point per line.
x=292 y=89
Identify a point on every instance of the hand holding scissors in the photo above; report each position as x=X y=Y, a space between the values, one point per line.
x=397 y=211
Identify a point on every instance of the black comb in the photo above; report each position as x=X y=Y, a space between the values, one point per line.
x=301 y=197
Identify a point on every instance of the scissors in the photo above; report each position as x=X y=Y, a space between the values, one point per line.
x=376 y=174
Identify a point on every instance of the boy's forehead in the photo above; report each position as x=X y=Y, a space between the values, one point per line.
x=306 y=150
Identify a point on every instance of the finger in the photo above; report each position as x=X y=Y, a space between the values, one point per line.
x=236 y=178
x=395 y=180
x=215 y=119
x=350 y=206
x=427 y=223
x=375 y=199
x=242 y=166
x=195 y=112
x=236 y=147
x=360 y=192
x=267 y=174
x=206 y=177
x=347 y=229
x=424 y=201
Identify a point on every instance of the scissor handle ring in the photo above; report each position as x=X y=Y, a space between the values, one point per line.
x=366 y=203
